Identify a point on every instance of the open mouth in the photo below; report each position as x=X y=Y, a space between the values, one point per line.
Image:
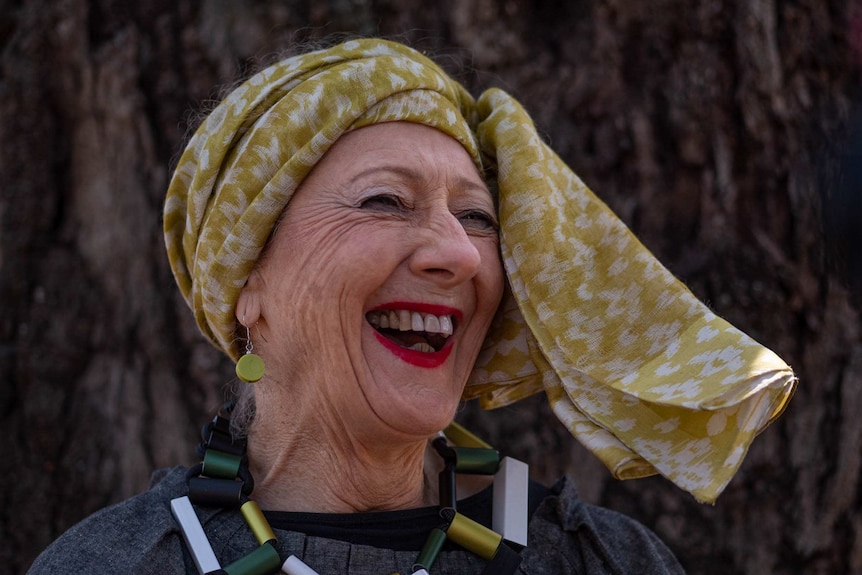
x=412 y=330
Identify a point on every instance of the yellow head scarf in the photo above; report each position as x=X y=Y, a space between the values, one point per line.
x=633 y=364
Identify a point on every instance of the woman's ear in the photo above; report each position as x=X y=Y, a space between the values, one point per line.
x=248 y=304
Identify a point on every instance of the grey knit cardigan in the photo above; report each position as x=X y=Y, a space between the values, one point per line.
x=139 y=536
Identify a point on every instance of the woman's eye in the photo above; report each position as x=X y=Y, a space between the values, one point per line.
x=478 y=220
x=384 y=202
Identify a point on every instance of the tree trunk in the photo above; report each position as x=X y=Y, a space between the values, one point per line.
x=718 y=129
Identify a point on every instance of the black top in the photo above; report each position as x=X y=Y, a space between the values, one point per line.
x=397 y=530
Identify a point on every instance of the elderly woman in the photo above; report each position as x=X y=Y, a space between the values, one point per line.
x=372 y=245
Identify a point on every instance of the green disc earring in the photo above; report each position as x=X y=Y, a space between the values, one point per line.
x=250 y=366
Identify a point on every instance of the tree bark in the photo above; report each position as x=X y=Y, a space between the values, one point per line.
x=718 y=129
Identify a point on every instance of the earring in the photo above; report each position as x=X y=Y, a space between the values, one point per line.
x=250 y=366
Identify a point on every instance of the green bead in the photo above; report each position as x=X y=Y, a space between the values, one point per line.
x=262 y=561
x=477 y=461
x=250 y=368
x=430 y=550
x=220 y=464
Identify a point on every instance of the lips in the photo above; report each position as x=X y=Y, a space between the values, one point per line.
x=419 y=334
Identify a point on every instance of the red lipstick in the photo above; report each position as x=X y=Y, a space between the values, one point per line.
x=417 y=358
x=420 y=358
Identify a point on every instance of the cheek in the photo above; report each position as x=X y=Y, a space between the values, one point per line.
x=325 y=254
x=336 y=272
x=491 y=278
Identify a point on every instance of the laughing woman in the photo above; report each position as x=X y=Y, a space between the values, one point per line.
x=372 y=245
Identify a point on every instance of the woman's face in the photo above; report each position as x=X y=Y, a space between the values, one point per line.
x=380 y=282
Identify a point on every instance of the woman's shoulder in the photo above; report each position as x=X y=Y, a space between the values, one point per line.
x=133 y=536
x=570 y=535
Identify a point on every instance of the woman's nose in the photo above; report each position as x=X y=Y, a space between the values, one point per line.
x=445 y=253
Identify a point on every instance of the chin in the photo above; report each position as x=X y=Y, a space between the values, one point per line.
x=420 y=417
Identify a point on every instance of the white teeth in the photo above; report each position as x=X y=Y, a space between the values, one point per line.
x=404 y=321
x=445 y=325
x=416 y=322
x=432 y=324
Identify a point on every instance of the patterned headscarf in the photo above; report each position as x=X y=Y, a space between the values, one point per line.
x=638 y=369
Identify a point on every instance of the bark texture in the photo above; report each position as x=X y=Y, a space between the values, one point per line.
x=720 y=130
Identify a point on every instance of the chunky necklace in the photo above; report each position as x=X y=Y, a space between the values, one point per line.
x=222 y=480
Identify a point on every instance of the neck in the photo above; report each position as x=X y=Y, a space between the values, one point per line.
x=314 y=468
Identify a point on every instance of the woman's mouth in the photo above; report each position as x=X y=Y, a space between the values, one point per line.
x=418 y=337
x=424 y=332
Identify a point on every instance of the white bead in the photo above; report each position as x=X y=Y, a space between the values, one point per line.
x=196 y=540
x=293 y=565
x=510 y=513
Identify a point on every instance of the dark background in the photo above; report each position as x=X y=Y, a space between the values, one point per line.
x=722 y=132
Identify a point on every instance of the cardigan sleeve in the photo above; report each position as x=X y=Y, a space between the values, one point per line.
x=569 y=536
x=137 y=536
